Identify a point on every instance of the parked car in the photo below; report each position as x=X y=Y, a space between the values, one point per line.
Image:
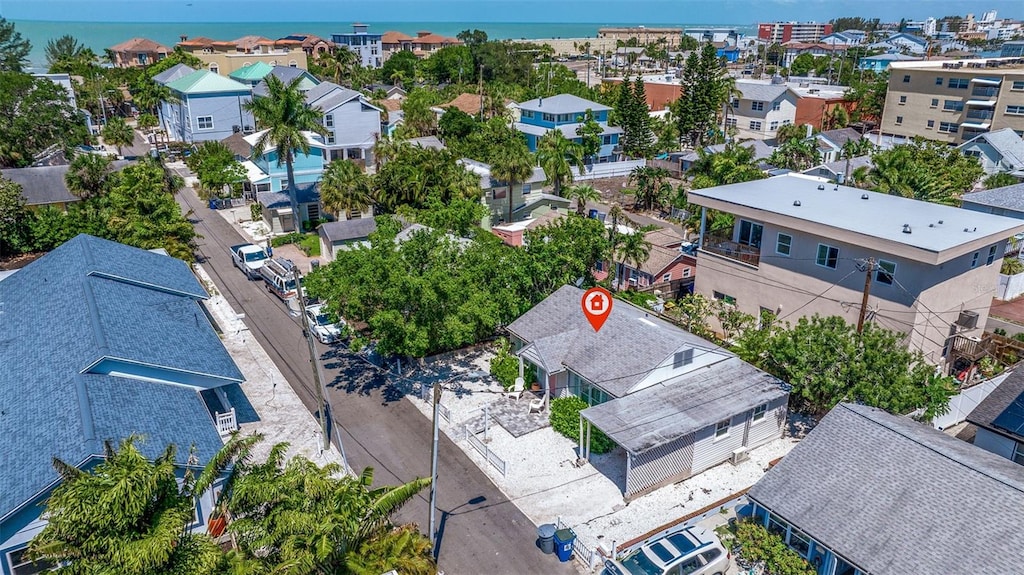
x=249 y=258
x=323 y=328
x=692 y=551
x=279 y=277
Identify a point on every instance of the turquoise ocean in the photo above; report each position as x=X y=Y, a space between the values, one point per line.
x=104 y=35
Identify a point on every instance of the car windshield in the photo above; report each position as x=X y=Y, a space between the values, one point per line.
x=321 y=319
x=255 y=256
x=289 y=285
x=639 y=564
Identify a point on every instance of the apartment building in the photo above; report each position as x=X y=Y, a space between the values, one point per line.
x=225 y=57
x=422 y=45
x=643 y=34
x=779 y=32
x=761 y=109
x=801 y=246
x=954 y=101
x=368 y=46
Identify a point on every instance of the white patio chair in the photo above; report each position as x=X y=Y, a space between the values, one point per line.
x=517 y=389
x=536 y=405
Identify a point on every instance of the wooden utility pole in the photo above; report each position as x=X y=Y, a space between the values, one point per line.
x=867 y=291
x=320 y=407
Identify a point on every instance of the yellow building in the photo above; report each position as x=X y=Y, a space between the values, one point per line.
x=224 y=57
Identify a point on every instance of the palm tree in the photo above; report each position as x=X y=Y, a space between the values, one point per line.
x=285 y=117
x=87 y=175
x=583 y=194
x=345 y=187
x=512 y=165
x=854 y=148
x=652 y=186
x=134 y=513
x=557 y=154
x=118 y=133
x=633 y=250
x=338 y=65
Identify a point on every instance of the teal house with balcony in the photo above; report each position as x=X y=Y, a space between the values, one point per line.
x=565 y=113
x=267 y=173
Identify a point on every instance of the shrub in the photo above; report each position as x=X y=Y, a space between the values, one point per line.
x=291 y=238
x=758 y=545
x=1011 y=266
x=505 y=365
x=256 y=210
x=565 y=419
x=636 y=298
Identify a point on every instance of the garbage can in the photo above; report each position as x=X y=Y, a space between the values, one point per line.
x=546 y=538
x=213 y=204
x=313 y=264
x=564 y=539
x=592 y=214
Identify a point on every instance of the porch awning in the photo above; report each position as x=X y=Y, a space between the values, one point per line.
x=976 y=125
x=663 y=413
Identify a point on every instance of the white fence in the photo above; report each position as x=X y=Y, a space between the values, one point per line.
x=1010 y=287
x=607 y=170
x=963 y=403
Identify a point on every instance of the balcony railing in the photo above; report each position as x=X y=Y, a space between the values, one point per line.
x=986 y=92
x=980 y=115
x=735 y=251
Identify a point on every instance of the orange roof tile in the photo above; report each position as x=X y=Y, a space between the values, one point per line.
x=139 y=45
x=393 y=37
x=251 y=41
x=435 y=39
x=391 y=105
x=197 y=41
x=468 y=103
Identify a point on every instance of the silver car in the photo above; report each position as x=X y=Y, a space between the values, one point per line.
x=322 y=327
x=692 y=551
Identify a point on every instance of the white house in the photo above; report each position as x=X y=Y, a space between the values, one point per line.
x=352 y=122
x=761 y=109
x=1000 y=152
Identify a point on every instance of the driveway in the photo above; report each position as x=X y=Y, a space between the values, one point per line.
x=480 y=530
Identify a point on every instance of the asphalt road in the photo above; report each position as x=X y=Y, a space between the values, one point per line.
x=480 y=531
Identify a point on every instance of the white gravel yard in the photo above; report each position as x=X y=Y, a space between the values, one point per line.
x=544 y=483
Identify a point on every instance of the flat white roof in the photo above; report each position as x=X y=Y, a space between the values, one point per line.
x=881 y=216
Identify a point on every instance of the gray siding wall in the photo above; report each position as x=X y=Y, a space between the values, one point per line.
x=995 y=443
x=707 y=452
x=355 y=125
x=771 y=427
x=660 y=466
x=226 y=110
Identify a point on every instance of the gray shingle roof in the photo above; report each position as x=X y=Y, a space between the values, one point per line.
x=630 y=344
x=839 y=166
x=306 y=194
x=1008 y=197
x=1003 y=410
x=895 y=496
x=87 y=308
x=562 y=104
x=45 y=185
x=173 y=73
x=663 y=413
x=761 y=149
x=761 y=92
x=1007 y=143
x=348 y=229
x=839 y=137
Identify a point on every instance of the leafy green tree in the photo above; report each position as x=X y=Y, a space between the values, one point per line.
x=632 y=250
x=412 y=176
x=147 y=121
x=285 y=117
x=118 y=133
x=1000 y=180
x=733 y=165
x=827 y=361
x=590 y=133
x=867 y=97
x=583 y=194
x=66 y=55
x=796 y=154
x=561 y=253
x=802 y=64
x=854 y=148
x=345 y=187
x=451 y=64
x=557 y=155
x=13 y=48
x=401 y=66
x=340 y=65
x=924 y=170
x=418 y=115
x=456 y=125
x=632 y=115
x=511 y=166
x=216 y=167
x=652 y=187
x=14 y=236
x=177 y=56
x=88 y=175
x=129 y=515
x=34 y=115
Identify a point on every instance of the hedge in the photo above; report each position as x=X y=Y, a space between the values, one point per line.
x=565 y=419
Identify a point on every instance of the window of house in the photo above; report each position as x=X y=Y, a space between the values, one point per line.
x=953 y=106
x=899 y=120
x=906 y=79
x=903 y=100
x=331 y=139
x=666 y=278
x=204 y=122
x=776 y=106
x=755 y=125
x=757 y=106
x=931 y=124
x=991 y=256
x=828 y=256
x=750 y=233
x=885 y=272
x=549 y=117
x=1015 y=110
x=773 y=126
x=606 y=140
x=776 y=525
x=786 y=122
x=731 y=122
x=21 y=565
x=1018 y=85
x=586 y=391
x=724 y=297
x=1018 y=453
x=293 y=64
x=949 y=127
x=527 y=188
x=759 y=412
x=686 y=272
x=498 y=193
x=329 y=121
x=935 y=103
x=722 y=429
x=959 y=83
x=973 y=154
x=974 y=259
x=682 y=358
x=783 y=244
x=938 y=80
x=799 y=542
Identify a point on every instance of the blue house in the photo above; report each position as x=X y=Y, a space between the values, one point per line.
x=367 y=46
x=881 y=62
x=730 y=53
x=271 y=173
x=101 y=341
x=871 y=492
x=207 y=106
x=565 y=112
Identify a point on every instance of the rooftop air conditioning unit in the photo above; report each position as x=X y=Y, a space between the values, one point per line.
x=968 y=319
x=236 y=129
x=247 y=130
x=739 y=455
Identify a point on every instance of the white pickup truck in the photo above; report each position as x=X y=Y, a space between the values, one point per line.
x=249 y=258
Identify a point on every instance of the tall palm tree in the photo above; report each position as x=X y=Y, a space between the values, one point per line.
x=134 y=513
x=583 y=193
x=338 y=65
x=557 y=154
x=345 y=187
x=284 y=116
x=512 y=165
x=118 y=133
x=853 y=148
x=87 y=175
x=633 y=250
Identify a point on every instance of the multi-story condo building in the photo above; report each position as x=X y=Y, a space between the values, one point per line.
x=643 y=34
x=761 y=109
x=225 y=57
x=368 y=46
x=953 y=101
x=800 y=246
x=565 y=112
x=799 y=31
x=423 y=45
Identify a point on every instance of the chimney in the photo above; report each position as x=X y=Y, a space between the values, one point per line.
x=540 y=102
x=183 y=37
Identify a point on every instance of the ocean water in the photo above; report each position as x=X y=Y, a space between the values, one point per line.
x=104 y=35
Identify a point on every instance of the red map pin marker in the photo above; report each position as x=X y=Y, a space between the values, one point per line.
x=597 y=304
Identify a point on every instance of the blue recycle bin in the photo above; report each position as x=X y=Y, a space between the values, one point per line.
x=213 y=204
x=564 y=539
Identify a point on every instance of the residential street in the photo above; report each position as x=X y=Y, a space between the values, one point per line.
x=481 y=531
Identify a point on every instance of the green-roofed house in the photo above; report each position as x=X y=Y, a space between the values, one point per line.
x=251 y=74
x=209 y=107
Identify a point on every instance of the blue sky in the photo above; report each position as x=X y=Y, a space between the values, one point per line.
x=739 y=12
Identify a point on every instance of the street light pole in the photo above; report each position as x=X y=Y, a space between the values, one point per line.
x=433 y=470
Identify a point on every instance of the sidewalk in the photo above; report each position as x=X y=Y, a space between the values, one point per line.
x=279 y=413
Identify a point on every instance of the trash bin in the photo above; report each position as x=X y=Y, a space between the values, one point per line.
x=313 y=264
x=546 y=538
x=213 y=204
x=592 y=214
x=564 y=539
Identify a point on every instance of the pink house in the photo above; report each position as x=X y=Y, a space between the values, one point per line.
x=666 y=263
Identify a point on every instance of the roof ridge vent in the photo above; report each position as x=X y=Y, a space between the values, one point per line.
x=906 y=228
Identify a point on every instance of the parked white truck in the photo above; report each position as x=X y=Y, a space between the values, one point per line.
x=249 y=258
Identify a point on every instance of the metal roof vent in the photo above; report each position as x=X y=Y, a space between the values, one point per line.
x=796 y=203
x=864 y=196
x=940 y=222
x=836 y=189
x=906 y=228
x=821 y=186
x=970 y=230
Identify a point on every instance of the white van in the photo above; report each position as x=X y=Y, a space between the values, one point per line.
x=279 y=277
